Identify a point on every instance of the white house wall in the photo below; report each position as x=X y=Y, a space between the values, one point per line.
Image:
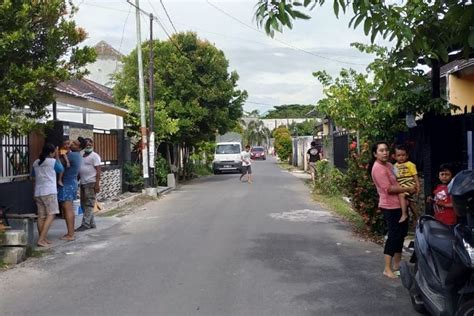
x=70 y=113
x=102 y=69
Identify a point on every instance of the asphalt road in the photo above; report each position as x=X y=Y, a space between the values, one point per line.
x=216 y=246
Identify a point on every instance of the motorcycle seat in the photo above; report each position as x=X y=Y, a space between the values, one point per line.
x=439 y=237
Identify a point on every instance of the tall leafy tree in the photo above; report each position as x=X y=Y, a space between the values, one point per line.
x=376 y=107
x=289 y=111
x=193 y=84
x=38 y=49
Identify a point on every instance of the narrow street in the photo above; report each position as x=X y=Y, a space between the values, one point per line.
x=216 y=246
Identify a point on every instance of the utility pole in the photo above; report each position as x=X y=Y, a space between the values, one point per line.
x=152 y=109
x=142 y=97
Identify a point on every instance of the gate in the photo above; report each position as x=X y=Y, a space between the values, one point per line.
x=341 y=150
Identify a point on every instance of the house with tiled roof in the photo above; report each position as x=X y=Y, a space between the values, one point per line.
x=108 y=62
x=88 y=102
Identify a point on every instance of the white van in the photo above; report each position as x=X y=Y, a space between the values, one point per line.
x=227 y=157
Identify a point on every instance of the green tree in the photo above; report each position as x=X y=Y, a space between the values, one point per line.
x=420 y=28
x=256 y=133
x=305 y=128
x=193 y=84
x=283 y=143
x=38 y=49
x=253 y=113
x=377 y=107
x=289 y=111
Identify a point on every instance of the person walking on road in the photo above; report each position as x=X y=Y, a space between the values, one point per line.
x=246 y=164
x=68 y=192
x=388 y=190
x=312 y=156
x=90 y=184
x=44 y=172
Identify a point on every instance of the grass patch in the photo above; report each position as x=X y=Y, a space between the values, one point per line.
x=3 y=265
x=129 y=207
x=341 y=208
x=202 y=170
x=286 y=166
x=337 y=205
x=33 y=253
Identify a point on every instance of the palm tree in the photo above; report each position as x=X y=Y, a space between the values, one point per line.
x=256 y=133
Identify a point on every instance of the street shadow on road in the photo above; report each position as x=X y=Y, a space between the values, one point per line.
x=332 y=279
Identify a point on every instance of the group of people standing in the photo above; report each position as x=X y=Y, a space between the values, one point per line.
x=396 y=186
x=57 y=175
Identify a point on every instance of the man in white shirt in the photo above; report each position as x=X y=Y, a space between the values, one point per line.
x=90 y=184
x=246 y=164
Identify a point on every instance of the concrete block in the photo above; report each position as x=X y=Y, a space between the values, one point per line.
x=151 y=192
x=13 y=238
x=27 y=225
x=12 y=255
x=171 y=181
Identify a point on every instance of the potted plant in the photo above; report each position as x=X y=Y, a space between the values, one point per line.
x=133 y=177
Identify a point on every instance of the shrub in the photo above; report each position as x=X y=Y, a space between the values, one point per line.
x=361 y=189
x=133 y=176
x=328 y=179
x=161 y=170
x=283 y=144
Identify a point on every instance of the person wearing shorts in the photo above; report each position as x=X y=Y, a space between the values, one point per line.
x=312 y=156
x=68 y=192
x=44 y=172
x=246 y=164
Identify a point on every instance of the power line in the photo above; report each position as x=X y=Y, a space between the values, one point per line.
x=227 y=36
x=123 y=35
x=158 y=20
x=169 y=18
x=280 y=41
x=260 y=103
x=104 y=7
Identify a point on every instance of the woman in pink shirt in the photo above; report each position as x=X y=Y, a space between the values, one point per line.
x=388 y=189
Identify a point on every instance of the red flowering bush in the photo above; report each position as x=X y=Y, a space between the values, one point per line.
x=361 y=190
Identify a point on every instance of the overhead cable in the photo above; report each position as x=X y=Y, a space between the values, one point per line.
x=280 y=41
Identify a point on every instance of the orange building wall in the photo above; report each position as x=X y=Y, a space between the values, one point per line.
x=461 y=92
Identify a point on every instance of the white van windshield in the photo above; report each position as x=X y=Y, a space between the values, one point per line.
x=227 y=149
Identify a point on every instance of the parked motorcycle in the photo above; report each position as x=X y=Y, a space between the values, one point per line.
x=440 y=274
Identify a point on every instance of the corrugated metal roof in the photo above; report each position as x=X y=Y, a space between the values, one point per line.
x=456 y=65
x=87 y=89
x=89 y=94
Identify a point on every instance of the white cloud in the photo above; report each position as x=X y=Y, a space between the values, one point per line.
x=273 y=71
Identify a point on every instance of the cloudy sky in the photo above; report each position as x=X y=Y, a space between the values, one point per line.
x=273 y=71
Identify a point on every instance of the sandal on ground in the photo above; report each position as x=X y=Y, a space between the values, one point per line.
x=389 y=276
x=67 y=238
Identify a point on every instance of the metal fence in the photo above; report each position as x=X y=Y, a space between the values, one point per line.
x=14 y=156
x=106 y=145
x=341 y=150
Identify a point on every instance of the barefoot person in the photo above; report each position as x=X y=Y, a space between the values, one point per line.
x=246 y=164
x=44 y=172
x=68 y=192
x=389 y=203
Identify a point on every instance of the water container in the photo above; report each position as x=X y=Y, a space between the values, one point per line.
x=76 y=206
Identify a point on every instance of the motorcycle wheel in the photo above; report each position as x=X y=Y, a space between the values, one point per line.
x=466 y=308
x=415 y=300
